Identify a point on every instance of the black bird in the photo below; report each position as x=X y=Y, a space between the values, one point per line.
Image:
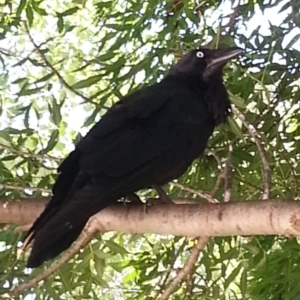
x=146 y=139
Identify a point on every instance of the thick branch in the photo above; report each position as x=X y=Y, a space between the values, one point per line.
x=233 y=218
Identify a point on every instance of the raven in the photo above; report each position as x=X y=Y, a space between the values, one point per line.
x=147 y=139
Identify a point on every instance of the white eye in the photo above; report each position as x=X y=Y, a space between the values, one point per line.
x=200 y=54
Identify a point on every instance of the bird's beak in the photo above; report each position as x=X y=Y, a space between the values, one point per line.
x=219 y=58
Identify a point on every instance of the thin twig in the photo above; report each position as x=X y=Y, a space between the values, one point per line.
x=199 y=193
x=186 y=270
x=261 y=150
x=22 y=188
x=54 y=71
x=220 y=175
x=217 y=157
x=228 y=174
x=293 y=174
x=83 y=240
x=294 y=14
x=29 y=154
x=231 y=21
x=217 y=184
x=164 y=280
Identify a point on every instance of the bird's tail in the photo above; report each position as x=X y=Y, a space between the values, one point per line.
x=62 y=229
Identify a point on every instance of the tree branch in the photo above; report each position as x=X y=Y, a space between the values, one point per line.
x=270 y=217
x=261 y=150
x=220 y=175
x=85 y=237
x=199 y=193
x=22 y=188
x=28 y=154
x=222 y=219
x=187 y=269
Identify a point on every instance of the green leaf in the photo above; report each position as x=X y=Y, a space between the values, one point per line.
x=19 y=80
x=26 y=116
x=243 y=283
x=65 y=279
x=40 y=11
x=102 y=255
x=21 y=62
x=114 y=247
x=235 y=128
x=237 y=101
x=102 y=283
x=44 y=78
x=99 y=266
x=29 y=15
x=30 y=91
x=60 y=23
x=56 y=114
x=234 y=273
x=69 y=12
x=87 y=82
x=52 y=141
x=21 y=7
x=107 y=56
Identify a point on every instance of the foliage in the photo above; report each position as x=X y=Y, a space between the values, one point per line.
x=65 y=62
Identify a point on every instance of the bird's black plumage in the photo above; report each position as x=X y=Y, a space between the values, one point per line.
x=148 y=138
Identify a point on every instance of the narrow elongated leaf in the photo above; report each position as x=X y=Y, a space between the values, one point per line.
x=21 y=7
x=70 y=11
x=29 y=15
x=52 y=141
x=87 y=82
x=235 y=128
x=29 y=91
x=44 y=78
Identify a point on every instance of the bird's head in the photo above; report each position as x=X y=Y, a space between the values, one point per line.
x=204 y=62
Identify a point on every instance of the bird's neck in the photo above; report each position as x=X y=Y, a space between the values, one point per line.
x=218 y=102
x=213 y=92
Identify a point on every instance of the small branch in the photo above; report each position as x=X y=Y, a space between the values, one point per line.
x=220 y=175
x=28 y=154
x=217 y=157
x=261 y=150
x=188 y=267
x=186 y=270
x=231 y=21
x=54 y=71
x=294 y=14
x=85 y=237
x=292 y=169
x=23 y=188
x=164 y=280
x=199 y=193
x=217 y=184
x=228 y=174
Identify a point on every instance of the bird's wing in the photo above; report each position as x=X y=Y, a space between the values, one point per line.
x=132 y=133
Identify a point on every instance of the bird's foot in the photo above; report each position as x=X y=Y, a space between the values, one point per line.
x=134 y=198
x=156 y=201
x=163 y=197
